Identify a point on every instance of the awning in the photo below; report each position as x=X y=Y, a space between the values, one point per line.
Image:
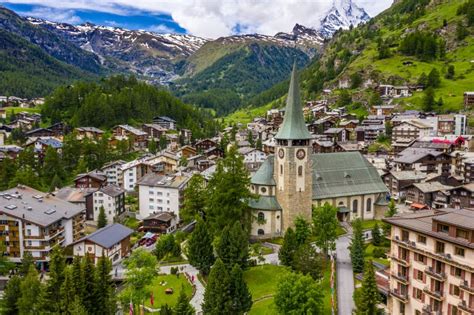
x=418 y=206
x=343 y=210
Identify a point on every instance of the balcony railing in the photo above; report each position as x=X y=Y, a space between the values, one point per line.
x=465 y=307
x=399 y=295
x=400 y=277
x=433 y=293
x=466 y=287
x=438 y=275
x=400 y=260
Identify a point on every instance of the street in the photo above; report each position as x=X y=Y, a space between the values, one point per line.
x=345 y=279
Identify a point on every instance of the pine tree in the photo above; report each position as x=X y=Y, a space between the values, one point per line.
x=325 y=225
x=461 y=31
x=217 y=298
x=76 y=308
x=434 y=78
x=357 y=247
x=307 y=261
x=233 y=246
x=30 y=299
x=163 y=142
x=52 y=168
x=10 y=296
x=57 y=265
x=450 y=72
x=102 y=218
x=104 y=293
x=302 y=230
x=288 y=248
x=392 y=210
x=89 y=299
x=376 y=237
x=370 y=296
x=152 y=147
x=241 y=296
x=200 y=250
x=78 y=285
x=166 y=310
x=429 y=100
x=258 y=144
x=67 y=291
x=194 y=203
x=183 y=307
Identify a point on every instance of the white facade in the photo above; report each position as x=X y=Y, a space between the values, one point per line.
x=113 y=172
x=158 y=199
x=460 y=124
x=106 y=201
x=255 y=156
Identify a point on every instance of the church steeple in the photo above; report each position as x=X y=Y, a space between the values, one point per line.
x=293 y=127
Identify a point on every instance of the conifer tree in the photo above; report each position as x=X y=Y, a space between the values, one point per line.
x=241 y=297
x=288 y=248
x=67 y=291
x=200 y=250
x=217 y=298
x=194 y=203
x=302 y=230
x=78 y=285
x=233 y=246
x=429 y=100
x=298 y=294
x=357 y=247
x=10 y=295
x=307 y=261
x=89 y=299
x=57 y=265
x=101 y=218
x=376 y=237
x=392 y=210
x=325 y=225
x=30 y=299
x=104 y=293
x=165 y=309
x=183 y=307
x=76 y=308
x=152 y=147
x=370 y=296
x=434 y=79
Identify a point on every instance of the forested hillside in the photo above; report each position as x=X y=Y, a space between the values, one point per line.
x=121 y=100
x=428 y=43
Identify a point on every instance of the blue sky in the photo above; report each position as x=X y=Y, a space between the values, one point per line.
x=206 y=18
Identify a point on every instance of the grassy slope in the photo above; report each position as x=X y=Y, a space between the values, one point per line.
x=160 y=297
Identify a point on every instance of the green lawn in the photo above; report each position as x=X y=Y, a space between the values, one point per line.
x=263 y=307
x=278 y=241
x=171 y=281
x=131 y=223
x=340 y=230
x=326 y=286
x=369 y=224
x=369 y=255
x=14 y=110
x=262 y=280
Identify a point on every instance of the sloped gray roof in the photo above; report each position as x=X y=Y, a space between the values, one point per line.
x=344 y=174
x=265 y=203
x=264 y=175
x=109 y=235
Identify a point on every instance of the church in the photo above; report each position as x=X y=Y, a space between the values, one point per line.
x=289 y=183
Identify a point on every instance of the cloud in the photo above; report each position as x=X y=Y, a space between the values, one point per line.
x=161 y=28
x=51 y=14
x=214 y=18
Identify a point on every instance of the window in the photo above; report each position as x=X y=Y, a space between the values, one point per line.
x=458 y=272
x=368 y=208
x=439 y=248
x=260 y=232
x=462 y=233
x=420 y=258
x=402 y=308
x=454 y=310
x=417 y=294
x=455 y=290
x=281 y=169
x=261 y=216
x=355 y=205
x=443 y=228
x=263 y=190
x=150 y=207
x=405 y=236
x=300 y=170
x=421 y=239
x=28 y=232
x=151 y=192
x=459 y=251
x=419 y=275
x=151 y=199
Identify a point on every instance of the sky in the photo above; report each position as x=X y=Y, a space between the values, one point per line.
x=205 y=18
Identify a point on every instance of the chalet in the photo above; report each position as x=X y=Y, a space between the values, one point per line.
x=91 y=133
x=186 y=135
x=137 y=137
x=59 y=129
x=424 y=193
x=164 y=163
x=398 y=181
x=253 y=158
x=323 y=146
x=11 y=151
x=204 y=145
x=321 y=125
x=111 y=241
x=462 y=196
x=370 y=133
x=337 y=134
x=214 y=151
x=424 y=161
x=349 y=146
x=349 y=124
x=40 y=144
x=90 y=180
x=161 y=223
x=411 y=130
x=154 y=131
x=187 y=151
x=165 y=122
x=388 y=91
x=468 y=99
x=40 y=132
x=382 y=110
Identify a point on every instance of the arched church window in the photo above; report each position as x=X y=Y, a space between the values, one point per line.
x=355 y=205
x=260 y=232
x=261 y=216
x=300 y=170
x=368 y=208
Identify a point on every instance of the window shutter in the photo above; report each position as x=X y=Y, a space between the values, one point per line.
x=463 y=274
x=451 y=289
x=452 y=270
x=414 y=292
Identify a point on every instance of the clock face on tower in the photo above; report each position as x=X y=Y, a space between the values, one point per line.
x=281 y=153
x=300 y=154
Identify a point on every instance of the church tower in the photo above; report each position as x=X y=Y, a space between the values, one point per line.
x=293 y=164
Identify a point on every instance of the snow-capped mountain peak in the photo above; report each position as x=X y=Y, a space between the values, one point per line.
x=342 y=14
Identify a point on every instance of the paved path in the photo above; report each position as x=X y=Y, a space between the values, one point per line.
x=345 y=279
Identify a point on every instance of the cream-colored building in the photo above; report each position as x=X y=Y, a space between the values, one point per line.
x=431 y=268
x=290 y=183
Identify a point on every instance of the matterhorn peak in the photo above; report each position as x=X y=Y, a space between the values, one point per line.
x=342 y=14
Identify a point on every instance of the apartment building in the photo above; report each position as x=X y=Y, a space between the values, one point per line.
x=112 y=198
x=112 y=171
x=37 y=222
x=431 y=262
x=411 y=130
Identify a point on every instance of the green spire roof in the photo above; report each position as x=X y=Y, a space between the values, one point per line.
x=264 y=175
x=293 y=127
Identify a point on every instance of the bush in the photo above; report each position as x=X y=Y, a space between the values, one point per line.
x=379 y=252
x=174 y=270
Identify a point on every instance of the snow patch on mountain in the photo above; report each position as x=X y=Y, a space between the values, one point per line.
x=342 y=14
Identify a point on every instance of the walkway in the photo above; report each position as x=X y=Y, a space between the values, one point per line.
x=345 y=279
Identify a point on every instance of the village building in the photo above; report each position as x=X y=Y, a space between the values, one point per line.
x=397 y=182
x=113 y=171
x=111 y=241
x=90 y=180
x=431 y=262
x=161 y=223
x=468 y=100
x=91 y=133
x=137 y=138
x=165 y=122
x=385 y=110
x=291 y=182
x=35 y=222
x=423 y=161
x=462 y=196
x=410 y=130
x=154 y=131
x=161 y=193
x=204 y=145
x=253 y=158
x=425 y=194
x=112 y=199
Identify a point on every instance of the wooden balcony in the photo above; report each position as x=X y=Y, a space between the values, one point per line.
x=401 y=261
x=400 y=277
x=438 y=275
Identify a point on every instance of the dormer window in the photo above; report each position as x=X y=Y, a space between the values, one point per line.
x=443 y=228
x=461 y=233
